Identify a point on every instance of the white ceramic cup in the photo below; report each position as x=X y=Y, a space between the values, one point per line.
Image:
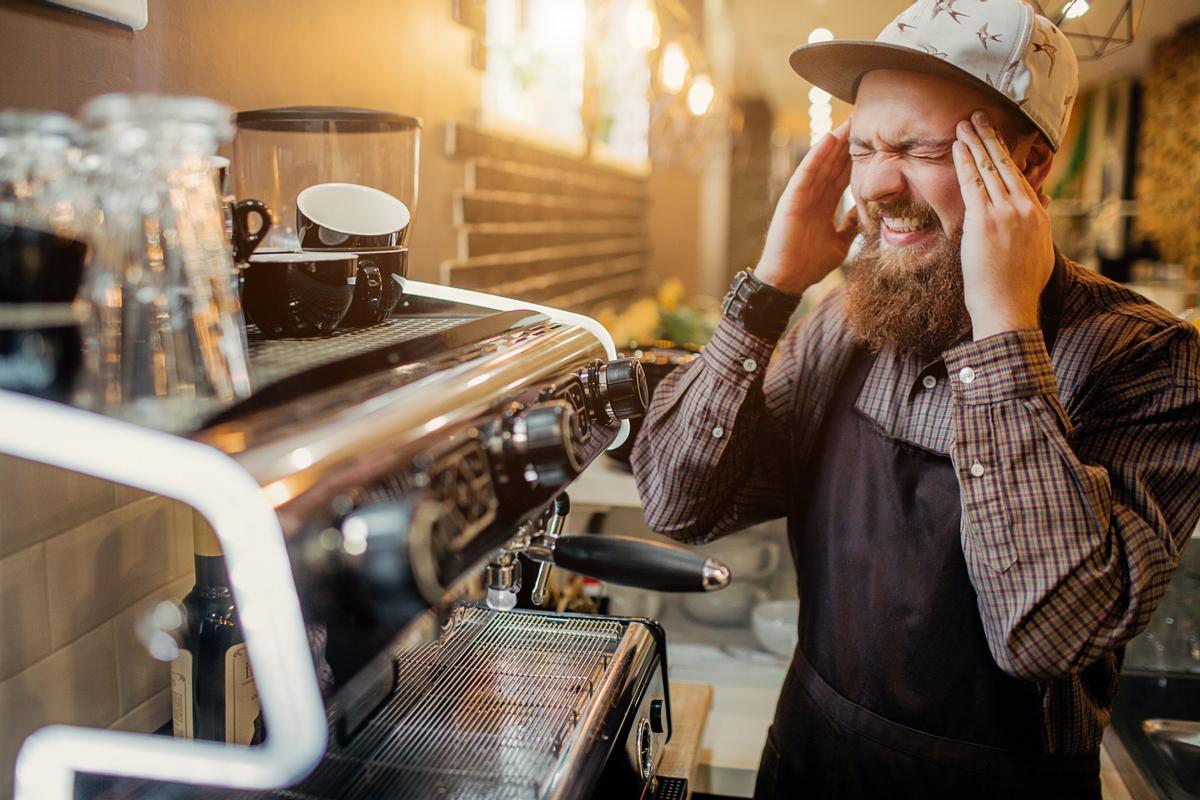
x=775 y=626
x=748 y=559
x=728 y=606
x=350 y=216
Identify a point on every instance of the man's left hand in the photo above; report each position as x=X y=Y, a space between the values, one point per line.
x=1007 y=250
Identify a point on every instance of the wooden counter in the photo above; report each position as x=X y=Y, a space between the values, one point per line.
x=690 y=703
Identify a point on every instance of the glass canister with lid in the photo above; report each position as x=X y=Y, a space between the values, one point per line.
x=280 y=152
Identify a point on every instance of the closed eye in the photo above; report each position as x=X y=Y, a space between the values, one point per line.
x=938 y=154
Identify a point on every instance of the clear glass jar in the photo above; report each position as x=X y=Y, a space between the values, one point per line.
x=168 y=343
x=45 y=216
x=46 y=209
x=40 y=172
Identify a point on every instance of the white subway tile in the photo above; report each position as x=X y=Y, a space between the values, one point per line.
x=76 y=686
x=184 y=548
x=140 y=676
x=37 y=501
x=24 y=612
x=103 y=566
x=149 y=716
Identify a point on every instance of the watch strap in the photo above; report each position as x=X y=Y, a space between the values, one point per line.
x=758 y=307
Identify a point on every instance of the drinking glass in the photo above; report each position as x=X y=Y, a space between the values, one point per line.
x=167 y=345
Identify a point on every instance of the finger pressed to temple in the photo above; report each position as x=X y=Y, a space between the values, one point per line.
x=983 y=163
x=970 y=182
x=998 y=151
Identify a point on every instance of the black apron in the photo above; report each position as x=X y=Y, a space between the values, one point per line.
x=892 y=691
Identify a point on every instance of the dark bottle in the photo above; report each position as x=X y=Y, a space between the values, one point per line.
x=212 y=687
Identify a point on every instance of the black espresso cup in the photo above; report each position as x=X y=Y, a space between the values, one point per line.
x=41 y=349
x=349 y=216
x=298 y=294
x=38 y=266
x=378 y=288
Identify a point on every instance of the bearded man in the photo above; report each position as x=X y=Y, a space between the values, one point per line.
x=987 y=455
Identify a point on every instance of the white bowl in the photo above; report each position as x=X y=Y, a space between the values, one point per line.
x=775 y=626
x=728 y=606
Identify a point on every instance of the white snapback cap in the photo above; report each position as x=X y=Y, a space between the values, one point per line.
x=1001 y=47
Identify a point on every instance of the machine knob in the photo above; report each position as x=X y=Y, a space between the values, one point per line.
x=547 y=443
x=621 y=388
x=657 y=723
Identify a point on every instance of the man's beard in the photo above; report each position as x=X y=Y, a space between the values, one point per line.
x=907 y=298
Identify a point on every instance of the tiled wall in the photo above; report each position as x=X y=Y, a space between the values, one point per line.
x=80 y=560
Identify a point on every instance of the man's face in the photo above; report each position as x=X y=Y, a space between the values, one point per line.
x=906 y=287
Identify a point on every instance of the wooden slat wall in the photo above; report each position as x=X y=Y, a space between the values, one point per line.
x=545 y=226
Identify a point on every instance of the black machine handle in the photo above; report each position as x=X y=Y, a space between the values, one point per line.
x=637 y=562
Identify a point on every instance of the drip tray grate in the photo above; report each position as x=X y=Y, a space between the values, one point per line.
x=484 y=712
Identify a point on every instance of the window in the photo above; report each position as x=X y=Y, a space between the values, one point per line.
x=573 y=70
x=535 y=71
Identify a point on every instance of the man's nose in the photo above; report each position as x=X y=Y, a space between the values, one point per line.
x=883 y=180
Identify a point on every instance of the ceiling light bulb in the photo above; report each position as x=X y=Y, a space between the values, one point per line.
x=641 y=25
x=818 y=95
x=1075 y=9
x=700 y=96
x=674 y=69
x=820 y=35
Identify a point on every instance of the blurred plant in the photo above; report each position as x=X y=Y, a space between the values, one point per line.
x=662 y=317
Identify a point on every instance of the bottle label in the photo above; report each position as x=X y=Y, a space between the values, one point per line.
x=241 y=696
x=181 y=695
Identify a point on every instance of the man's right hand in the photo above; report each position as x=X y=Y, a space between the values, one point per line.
x=805 y=243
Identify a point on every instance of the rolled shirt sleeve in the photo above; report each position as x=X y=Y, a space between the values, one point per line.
x=1071 y=532
x=707 y=460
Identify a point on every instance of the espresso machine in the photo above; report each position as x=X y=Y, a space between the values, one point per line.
x=377 y=497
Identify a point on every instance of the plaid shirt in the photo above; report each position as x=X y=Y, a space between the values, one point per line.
x=1077 y=449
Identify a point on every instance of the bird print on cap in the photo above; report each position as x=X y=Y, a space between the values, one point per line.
x=948 y=6
x=985 y=37
x=1066 y=110
x=1048 y=49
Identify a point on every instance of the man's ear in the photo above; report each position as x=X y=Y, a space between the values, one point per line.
x=1037 y=162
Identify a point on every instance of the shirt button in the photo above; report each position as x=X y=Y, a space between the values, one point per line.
x=977 y=469
x=718 y=432
x=966 y=374
x=749 y=365
x=929 y=381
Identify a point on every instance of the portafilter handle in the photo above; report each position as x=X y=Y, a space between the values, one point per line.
x=636 y=562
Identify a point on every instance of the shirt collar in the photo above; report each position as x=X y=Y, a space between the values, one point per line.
x=1053 y=299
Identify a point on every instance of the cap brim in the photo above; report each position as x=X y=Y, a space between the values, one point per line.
x=838 y=66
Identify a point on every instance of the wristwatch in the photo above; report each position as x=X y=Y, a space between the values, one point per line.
x=758 y=307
